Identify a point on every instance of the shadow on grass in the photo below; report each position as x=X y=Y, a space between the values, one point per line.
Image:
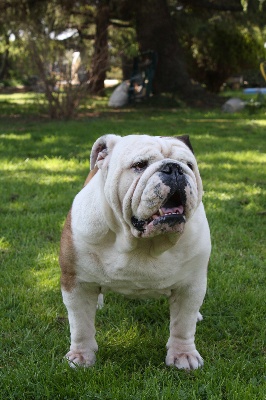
x=61 y=138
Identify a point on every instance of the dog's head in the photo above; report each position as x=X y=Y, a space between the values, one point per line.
x=152 y=184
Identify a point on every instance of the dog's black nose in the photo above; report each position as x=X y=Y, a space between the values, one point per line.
x=170 y=168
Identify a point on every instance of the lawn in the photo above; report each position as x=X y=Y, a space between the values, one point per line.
x=43 y=165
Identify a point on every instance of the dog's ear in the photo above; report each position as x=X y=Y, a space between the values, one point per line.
x=185 y=139
x=101 y=148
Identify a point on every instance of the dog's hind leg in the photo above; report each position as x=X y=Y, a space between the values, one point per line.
x=100 y=302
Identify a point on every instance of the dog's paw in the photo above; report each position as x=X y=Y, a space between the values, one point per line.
x=100 y=301
x=80 y=359
x=187 y=361
x=199 y=317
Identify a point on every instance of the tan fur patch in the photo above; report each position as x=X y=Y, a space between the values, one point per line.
x=67 y=257
x=91 y=175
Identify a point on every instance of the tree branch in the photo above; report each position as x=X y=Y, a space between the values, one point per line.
x=120 y=24
x=215 y=5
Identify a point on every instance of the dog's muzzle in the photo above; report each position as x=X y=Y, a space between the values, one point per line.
x=173 y=208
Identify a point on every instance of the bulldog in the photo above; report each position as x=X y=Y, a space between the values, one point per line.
x=138 y=227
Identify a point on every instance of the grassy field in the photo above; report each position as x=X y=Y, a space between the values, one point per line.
x=43 y=165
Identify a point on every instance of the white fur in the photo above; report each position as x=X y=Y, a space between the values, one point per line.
x=111 y=255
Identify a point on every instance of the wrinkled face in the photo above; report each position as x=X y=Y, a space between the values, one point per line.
x=152 y=183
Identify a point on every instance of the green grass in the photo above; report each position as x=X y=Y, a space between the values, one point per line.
x=43 y=165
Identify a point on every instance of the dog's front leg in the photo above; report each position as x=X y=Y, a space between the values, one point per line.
x=184 y=308
x=81 y=304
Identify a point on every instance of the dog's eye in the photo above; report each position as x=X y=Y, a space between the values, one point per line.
x=190 y=165
x=140 y=165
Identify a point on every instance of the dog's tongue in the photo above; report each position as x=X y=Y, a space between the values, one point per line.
x=173 y=210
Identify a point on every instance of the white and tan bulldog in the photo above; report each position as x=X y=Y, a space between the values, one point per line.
x=138 y=227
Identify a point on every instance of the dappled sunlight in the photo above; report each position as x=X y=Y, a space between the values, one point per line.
x=123 y=335
x=219 y=196
x=222 y=186
x=251 y=162
x=13 y=136
x=46 y=271
x=131 y=334
x=22 y=101
x=245 y=194
x=259 y=122
x=5 y=245
x=71 y=168
x=213 y=137
x=20 y=97
x=21 y=105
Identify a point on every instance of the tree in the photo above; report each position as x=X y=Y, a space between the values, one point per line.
x=9 y=27
x=203 y=40
x=207 y=40
x=5 y=64
x=220 y=51
x=156 y=31
x=100 y=56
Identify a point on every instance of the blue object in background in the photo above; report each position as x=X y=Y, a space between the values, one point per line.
x=255 y=90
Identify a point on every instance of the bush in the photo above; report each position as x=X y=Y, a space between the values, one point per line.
x=62 y=93
x=221 y=49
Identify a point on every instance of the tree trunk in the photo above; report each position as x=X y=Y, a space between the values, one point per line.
x=4 y=67
x=156 y=31
x=100 y=57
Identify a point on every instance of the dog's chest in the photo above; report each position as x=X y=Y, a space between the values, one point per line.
x=134 y=274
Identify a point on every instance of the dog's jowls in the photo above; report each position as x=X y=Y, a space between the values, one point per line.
x=138 y=227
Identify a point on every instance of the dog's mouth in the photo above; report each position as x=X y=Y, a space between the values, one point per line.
x=172 y=213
